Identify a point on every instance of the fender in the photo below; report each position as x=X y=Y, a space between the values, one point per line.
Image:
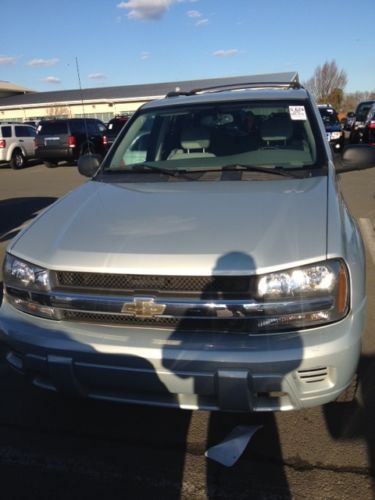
x=14 y=146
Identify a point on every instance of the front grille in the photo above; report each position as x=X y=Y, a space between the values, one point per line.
x=202 y=325
x=132 y=283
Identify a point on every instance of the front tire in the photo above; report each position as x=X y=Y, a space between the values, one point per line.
x=17 y=160
x=348 y=395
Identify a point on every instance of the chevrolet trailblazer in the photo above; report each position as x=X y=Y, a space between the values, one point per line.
x=209 y=262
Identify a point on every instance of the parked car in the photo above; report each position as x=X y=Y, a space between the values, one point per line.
x=68 y=139
x=368 y=136
x=114 y=126
x=16 y=143
x=332 y=126
x=199 y=273
x=361 y=112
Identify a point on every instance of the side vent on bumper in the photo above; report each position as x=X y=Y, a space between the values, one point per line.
x=313 y=375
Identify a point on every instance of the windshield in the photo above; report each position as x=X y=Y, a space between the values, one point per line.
x=265 y=134
x=329 y=116
x=53 y=127
x=362 y=111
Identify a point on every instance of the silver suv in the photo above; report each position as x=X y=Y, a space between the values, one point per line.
x=209 y=263
x=16 y=143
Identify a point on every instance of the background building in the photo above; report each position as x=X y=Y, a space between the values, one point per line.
x=104 y=102
x=8 y=89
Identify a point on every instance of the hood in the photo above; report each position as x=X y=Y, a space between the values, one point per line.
x=186 y=228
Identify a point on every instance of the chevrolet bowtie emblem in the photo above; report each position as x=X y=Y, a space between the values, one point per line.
x=143 y=308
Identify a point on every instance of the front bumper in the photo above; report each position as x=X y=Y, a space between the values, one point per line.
x=337 y=144
x=211 y=371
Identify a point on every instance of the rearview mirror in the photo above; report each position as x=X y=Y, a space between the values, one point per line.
x=356 y=157
x=89 y=164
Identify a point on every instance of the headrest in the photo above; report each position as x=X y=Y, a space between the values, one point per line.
x=276 y=128
x=195 y=138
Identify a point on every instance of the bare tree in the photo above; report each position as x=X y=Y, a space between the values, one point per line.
x=351 y=100
x=327 y=82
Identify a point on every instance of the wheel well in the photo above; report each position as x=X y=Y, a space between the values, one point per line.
x=16 y=149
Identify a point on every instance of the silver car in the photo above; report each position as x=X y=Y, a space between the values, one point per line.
x=209 y=262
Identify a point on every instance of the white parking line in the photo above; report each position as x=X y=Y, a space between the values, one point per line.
x=368 y=233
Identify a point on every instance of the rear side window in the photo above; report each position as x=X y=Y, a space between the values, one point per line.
x=102 y=127
x=25 y=131
x=53 y=128
x=31 y=131
x=6 y=131
x=21 y=131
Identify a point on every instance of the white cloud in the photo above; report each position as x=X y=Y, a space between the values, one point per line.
x=194 y=13
x=225 y=53
x=149 y=9
x=146 y=9
x=145 y=55
x=7 y=60
x=201 y=22
x=52 y=79
x=97 y=76
x=42 y=62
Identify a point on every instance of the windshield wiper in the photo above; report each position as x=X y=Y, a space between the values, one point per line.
x=147 y=167
x=267 y=170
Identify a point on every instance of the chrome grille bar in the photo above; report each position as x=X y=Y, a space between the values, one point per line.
x=151 y=307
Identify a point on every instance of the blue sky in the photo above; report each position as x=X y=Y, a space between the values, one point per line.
x=148 y=41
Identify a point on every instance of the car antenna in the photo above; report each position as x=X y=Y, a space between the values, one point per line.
x=83 y=106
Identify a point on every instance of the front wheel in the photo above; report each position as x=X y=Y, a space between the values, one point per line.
x=348 y=395
x=17 y=160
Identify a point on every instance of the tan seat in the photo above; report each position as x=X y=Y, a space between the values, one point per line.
x=194 y=144
x=277 y=130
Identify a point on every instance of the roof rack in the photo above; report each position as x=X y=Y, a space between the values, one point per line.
x=293 y=83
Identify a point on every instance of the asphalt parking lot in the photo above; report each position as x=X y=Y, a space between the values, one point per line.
x=54 y=447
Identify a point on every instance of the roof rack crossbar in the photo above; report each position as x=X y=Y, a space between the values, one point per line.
x=295 y=84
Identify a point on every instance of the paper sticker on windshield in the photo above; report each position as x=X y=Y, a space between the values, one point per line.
x=297 y=112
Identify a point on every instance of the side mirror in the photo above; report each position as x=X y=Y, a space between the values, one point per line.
x=89 y=164
x=356 y=157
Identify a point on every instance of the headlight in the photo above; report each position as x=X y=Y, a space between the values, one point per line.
x=336 y=135
x=23 y=282
x=304 y=296
x=19 y=273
